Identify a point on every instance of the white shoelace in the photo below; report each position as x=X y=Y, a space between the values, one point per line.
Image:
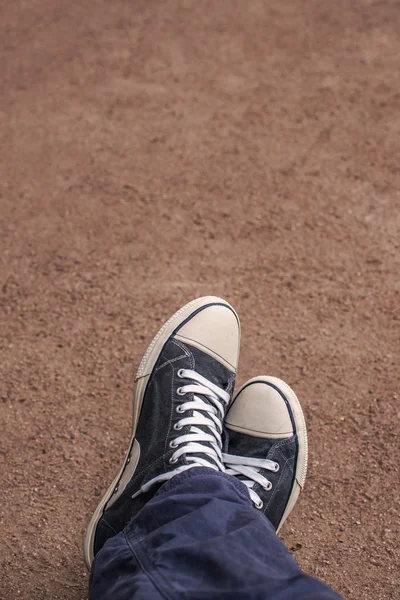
x=210 y=415
x=250 y=467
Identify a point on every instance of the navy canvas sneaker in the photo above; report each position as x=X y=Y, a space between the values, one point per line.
x=182 y=389
x=267 y=447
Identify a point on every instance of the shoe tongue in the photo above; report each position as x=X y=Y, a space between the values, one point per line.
x=214 y=371
x=211 y=369
x=249 y=446
x=241 y=444
x=204 y=428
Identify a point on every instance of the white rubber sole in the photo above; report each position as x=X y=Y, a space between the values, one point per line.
x=302 y=458
x=142 y=376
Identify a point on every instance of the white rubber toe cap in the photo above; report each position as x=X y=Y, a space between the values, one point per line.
x=259 y=410
x=215 y=330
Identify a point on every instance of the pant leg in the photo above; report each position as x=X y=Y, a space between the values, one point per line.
x=200 y=538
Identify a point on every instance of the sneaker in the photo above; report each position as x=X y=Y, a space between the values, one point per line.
x=182 y=390
x=267 y=446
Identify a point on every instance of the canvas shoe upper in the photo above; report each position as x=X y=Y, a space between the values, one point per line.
x=267 y=447
x=182 y=390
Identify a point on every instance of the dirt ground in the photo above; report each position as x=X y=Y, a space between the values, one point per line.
x=152 y=152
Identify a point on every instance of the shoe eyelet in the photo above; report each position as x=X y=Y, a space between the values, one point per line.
x=173 y=461
x=180 y=373
x=269 y=487
x=260 y=505
x=116 y=489
x=179 y=392
x=178 y=427
x=172 y=444
x=276 y=468
x=179 y=409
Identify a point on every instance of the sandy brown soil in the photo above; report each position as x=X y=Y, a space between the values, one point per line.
x=151 y=152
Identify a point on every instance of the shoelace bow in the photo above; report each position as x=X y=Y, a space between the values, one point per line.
x=250 y=467
x=207 y=414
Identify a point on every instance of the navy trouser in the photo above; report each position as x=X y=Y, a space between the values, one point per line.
x=200 y=537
